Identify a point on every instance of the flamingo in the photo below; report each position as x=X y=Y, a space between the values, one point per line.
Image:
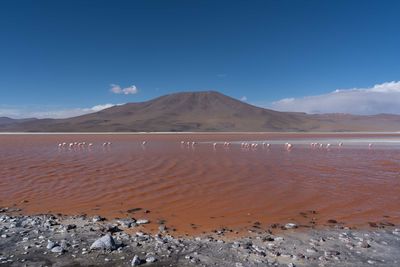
x=215 y=145
x=144 y=143
x=340 y=144
x=289 y=146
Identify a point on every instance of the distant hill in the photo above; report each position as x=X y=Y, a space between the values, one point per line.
x=203 y=111
x=9 y=121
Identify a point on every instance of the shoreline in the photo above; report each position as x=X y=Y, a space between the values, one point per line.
x=52 y=240
x=189 y=133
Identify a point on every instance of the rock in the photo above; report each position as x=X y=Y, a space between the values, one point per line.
x=331 y=253
x=70 y=227
x=142 y=221
x=151 y=259
x=134 y=210
x=126 y=223
x=311 y=250
x=57 y=249
x=332 y=221
x=373 y=224
x=112 y=229
x=50 y=244
x=64 y=244
x=290 y=226
x=364 y=244
x=98 y=219
x=106 y=242
x=136 y=261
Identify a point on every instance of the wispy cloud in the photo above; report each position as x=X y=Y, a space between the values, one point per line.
x=243 y=98
x=35 y=112
x=381 y=98
x=116 y=89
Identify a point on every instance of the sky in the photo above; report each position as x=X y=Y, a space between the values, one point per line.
x=66 y=58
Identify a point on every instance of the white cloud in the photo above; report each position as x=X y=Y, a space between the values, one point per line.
x=381 y=98
x=116 y=89
x=32 y=112
x=243 y=98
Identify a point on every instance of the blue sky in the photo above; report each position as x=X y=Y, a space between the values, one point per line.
x=61 y=58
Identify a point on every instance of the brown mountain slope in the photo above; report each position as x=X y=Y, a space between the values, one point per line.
x=204 y=111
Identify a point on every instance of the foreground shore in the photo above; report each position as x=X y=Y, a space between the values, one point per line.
x=48 y=240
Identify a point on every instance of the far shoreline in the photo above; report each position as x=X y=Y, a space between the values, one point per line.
x=188 y=133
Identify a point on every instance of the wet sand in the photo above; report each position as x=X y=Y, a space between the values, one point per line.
x=200 y=189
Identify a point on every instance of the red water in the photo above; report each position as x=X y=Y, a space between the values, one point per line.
x=209 y=188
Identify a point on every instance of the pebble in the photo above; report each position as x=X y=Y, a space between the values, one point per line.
x=364 y=244
x=50 y=244
x=57 y=249
x=331 y=253
x=127 y=223
x=290 y=226
x=142 y=221
x=135 y=261
x=98 y=219
x=311 y=250
x=151 y=259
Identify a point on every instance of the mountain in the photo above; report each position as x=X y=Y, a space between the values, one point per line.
x=204 y=111
x=9 y=121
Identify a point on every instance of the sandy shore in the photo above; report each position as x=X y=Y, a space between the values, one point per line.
x=49 y=240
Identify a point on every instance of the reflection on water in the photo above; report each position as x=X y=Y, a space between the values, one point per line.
x=195 y=184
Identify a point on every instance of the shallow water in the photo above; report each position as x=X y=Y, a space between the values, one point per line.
x=201 y=189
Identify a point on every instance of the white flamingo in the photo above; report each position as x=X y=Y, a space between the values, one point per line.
x=289 y=146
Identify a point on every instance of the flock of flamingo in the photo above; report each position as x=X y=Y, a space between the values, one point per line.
x=77 y=145
x=192 y=144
